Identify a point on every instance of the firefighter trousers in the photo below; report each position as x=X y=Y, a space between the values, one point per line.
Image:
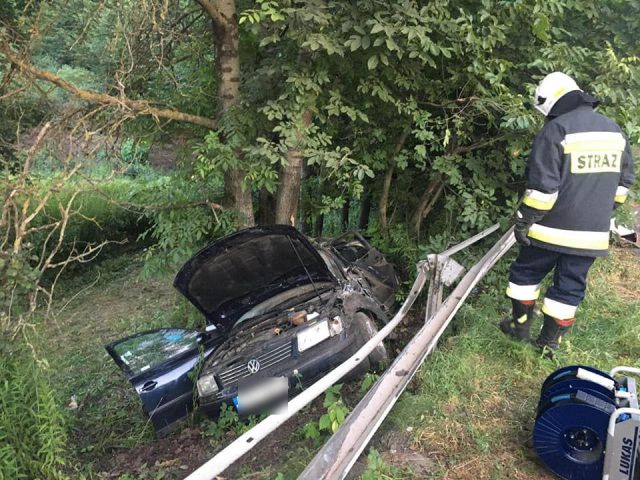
x=569 y=279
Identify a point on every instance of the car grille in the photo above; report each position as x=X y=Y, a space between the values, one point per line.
x=268 y=359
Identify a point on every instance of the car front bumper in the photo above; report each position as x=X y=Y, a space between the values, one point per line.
x=301 y=370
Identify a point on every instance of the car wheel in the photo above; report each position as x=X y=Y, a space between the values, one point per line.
x=367 y=329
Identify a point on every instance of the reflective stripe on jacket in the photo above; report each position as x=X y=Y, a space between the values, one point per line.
x=580 y=164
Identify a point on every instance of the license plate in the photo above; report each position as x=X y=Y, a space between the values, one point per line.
x=313 y=335
x=266 y=394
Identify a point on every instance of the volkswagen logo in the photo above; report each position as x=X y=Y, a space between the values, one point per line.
x=253 y=366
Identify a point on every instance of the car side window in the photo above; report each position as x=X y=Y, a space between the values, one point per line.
x=143 y=352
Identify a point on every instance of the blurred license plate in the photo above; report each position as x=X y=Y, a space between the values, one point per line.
x=266 y=394
x=313 y=335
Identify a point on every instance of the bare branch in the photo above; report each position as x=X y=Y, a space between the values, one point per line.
x=12 y=93
x=35 y=146
x=134 y=107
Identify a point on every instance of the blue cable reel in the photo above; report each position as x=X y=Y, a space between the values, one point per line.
x=570 y=435
x=570 y=372
x=572 y=385
x=588 y=424
x=573 y=378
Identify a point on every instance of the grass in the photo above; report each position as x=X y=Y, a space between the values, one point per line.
x=473 y=404
x=103 y=304
x=469 y=410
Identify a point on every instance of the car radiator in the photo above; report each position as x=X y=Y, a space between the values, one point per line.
x=240 y=370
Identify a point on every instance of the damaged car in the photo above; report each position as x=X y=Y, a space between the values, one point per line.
x=280 y=312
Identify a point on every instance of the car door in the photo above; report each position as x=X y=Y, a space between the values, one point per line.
x=161 y=364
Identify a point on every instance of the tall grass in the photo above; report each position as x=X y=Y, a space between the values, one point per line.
x=32 y=430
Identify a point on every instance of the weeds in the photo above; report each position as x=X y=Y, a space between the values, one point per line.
x=367 y=381
x=378 y=469
x=228 y=424
x=329 y=422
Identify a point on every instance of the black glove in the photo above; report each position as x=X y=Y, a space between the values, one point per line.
x=523 y=219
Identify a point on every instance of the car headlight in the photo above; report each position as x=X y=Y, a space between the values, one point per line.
x=207 y=385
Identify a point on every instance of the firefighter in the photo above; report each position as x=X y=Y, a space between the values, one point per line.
x=580 y=168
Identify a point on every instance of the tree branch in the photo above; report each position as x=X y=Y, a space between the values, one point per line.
x=136 y=107
x=478 y=145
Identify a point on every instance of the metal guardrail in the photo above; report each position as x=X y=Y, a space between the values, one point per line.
x=432 y=267
x=340 y=452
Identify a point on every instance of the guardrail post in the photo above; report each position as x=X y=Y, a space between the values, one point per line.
x=434 y=293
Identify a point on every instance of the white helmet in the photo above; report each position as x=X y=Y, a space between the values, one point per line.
x=551 y=88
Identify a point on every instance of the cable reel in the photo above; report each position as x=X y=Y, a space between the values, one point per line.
x=588 y=424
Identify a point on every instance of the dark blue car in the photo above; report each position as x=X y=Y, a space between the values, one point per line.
x=278 y=308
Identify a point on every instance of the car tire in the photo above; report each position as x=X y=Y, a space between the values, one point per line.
x=367 y=329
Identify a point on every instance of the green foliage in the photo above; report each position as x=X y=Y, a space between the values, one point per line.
x=329 y=422
x=32 y=427
x=367 y=381
x=399 y=247
x=135 y=154
x=228 y=424
x=339 y=83
x=378 y=469
x=103 y=211
x=183 y=219
x=18 y=277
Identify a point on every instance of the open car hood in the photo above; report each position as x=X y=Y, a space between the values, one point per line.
x=230 y=276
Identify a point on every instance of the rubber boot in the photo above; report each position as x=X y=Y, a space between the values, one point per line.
x=519 y=324
x=552 y=331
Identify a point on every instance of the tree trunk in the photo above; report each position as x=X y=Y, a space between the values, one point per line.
x=266 y=210
x=365 y=209
x=291 y=174
x=319 y=225
x=383 y=205
x=225 y=26
x=426 y=203
x=306 y=217
x=346 y=208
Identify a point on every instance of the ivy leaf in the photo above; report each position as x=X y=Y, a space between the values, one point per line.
x=372 y=62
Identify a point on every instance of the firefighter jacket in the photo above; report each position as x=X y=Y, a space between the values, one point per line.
x=580 y=164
